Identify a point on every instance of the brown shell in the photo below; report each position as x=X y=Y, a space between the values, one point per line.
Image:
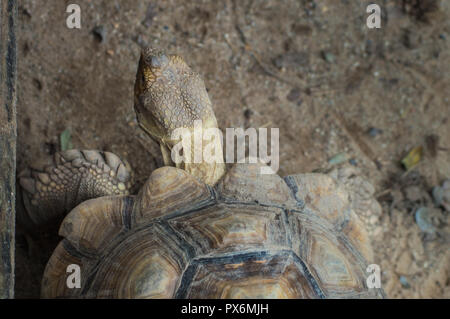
x=252 y=236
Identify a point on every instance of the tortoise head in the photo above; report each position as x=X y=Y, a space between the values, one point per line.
x=170 y=96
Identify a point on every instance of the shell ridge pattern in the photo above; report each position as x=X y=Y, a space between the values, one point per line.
x=186 y=280
x=284 y=212
x=287 y=227
x=128 y=202
x=326 y=226
x=294 y=190
x=240 y=257
x=348 y=245
x=184 y=212
x=236 y=257
x=110 y=249
x=309 y=276
x=94 y=268
x=345 y=220
x=184 y=243
x=75 y=252
x=90 y=278
x=254 y=203
x=211 y=201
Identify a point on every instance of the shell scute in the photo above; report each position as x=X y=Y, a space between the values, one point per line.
x=277 y=274
x=146 y=263
x=224 y=228
x=169 y=190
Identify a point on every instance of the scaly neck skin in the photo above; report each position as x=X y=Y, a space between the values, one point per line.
x=209 y=165
x=209 y=173
x=170 y=96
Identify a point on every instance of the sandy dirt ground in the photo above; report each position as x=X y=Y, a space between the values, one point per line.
x=340 y=93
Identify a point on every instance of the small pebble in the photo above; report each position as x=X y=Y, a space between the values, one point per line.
x=373 y=131
x=293 y=95
x=329 y=57
x=423 y=220
x=353 y=162
x=248 y=113
x=338 y=159
x=441 y=195
x=99 y=33
x=404 y=282
x=378 y=164
x=38 y=84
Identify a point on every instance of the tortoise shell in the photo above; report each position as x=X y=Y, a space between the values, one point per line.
x=251 y=236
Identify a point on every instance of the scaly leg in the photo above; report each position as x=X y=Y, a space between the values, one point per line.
x=50 y=192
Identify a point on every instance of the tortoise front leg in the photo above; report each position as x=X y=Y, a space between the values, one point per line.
x=49 y=193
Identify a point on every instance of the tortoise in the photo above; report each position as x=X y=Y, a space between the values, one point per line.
x=198 y=230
